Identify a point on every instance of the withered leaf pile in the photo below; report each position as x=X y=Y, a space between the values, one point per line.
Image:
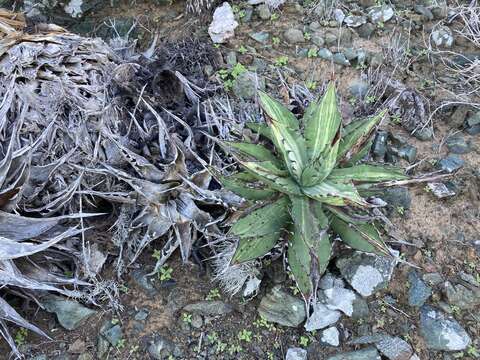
x=86 y=148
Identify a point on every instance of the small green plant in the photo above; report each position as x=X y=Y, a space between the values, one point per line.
x=245 y=335
x=187 y=318
x=401 y=210
x=121 y=344
x=275 y=40
x=234 y=349
x=311 y=189
x=312 y=53
x=242 y=50
x=311 y=85
x=396 y=119
x=281 y=60
x=21 y=336
x=134 y=349
x=370 y=99
x=213 y=294
x=228 y=76
x=307 y=36
x=165 y=273
x=472 y=351
x=270 y=355
x=261 y=322
x=304 y=341
x=274 y=17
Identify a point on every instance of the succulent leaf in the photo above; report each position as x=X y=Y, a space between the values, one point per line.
x=321 y=124
x=250 y=248
x=367 y=173
x=256 y=151
x=247 y=190
x=324 y=191
x=356 y=158
x=267 y=220
x=355 y=138
x=362 y=237
x=278 y=112
x=261 y=129
x=314 y=173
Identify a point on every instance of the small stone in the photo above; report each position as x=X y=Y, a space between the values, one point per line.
x=407 y=152
x=381 y=14
x=325 y=54
x=85 y=356
x=330 y=336
x=231 y=58
x=418 y=292
x=247 y=84
x=366 y=273
x=321 y=317
x=102 y=347
x=350 y=54
x=70 y=314
x=442 y=332
x=223 y=25
x=379 y=147
x=261 y=36
x=360 y=308
x=293 y=36
x=264 y=12
x=160 y=348
x=465 y=296
x=354 y=21
x=197 y=321
x=209 y=308
x=113 y=335
x=77 y=347
x=432 y=279
x=317 y=39
x=331 y=38
x=398 y=197
x=458 y=145
x=450 y=164
x=440 y=190
x=340 y=59
x=329 y=281
x=365 y=354
x=424 y=134
x=394 y=348
x=141 y=315
x=282 y=308
x=141 y=279
x=296 y=354
x=376 y=60
x=366 y=30
x=340 y=299
x=442 y=36
x=424 y=11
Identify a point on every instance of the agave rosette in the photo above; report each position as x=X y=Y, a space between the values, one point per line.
x=309 y=187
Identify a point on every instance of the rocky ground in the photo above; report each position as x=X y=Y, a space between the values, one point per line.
x=417 y=59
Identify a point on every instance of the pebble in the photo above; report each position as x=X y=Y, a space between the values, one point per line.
x=282 y=308
x=340 y=59
x=442 y=36
x=442 y=332
x=440 y=190
x=70 y=314
x=113 y=334
x=294 y=36
x=223 y=24
x=321 y=317
x=393 y=348
x=264 y=12
x=380 y=13
x=340 y=299
x=325 y=54
x=296 y=354
x=261 y=36
x=457 y=144
x=366 y=354
x=355 y=21
x=418 y=292
x=330 y=336
x=209 y=308
x=450 y=164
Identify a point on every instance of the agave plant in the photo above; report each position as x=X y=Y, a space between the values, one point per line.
x=308 y=185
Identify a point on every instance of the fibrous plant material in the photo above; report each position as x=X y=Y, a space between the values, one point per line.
x=91 y=165
x=308 y=185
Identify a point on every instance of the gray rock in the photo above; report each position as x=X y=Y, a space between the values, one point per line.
x=465 y=296
x=450 y=164
x=231 y=58
x=366 y=30
x=457 y=144
x=359 y=88
x=321 y=317
x=141 y=279
x=141 y=315
x=442 y=332
x=329 y=281
x=293 y=36
x=325 y=54
x=440 y=190
x=376 y=60
x=379 y=146
x=432 y=279
x=366 y=273
x=397 y=197
x=360 y=309
x=264 y=12
x=282 y=308
x=355 y=21
x=406 y=152
x=350 y=53
x=366 y=354
x=424 y=134
x=317 y=39
x=340 y=59
x=340 y=299
x=102 y=347
x=418 y=292
x=261 y=36
x=223 y=24
x=442 y=36
x=85 y=356
x=246 y=85
x=424 y=11
x=296 y=354
x=161 y=348
x=381 y=13
x=330 y=336
x=331 y=38
x=209 y=308
x=113 y=335
x=197 y=321
x=394 y=348
x=70 y=314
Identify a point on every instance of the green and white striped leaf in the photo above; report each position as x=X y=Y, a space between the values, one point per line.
x=355 y=138
x=356 y=158
x=255 y=151
x=274 y=177
x=250 y=248
x=321 y=124
x=363 y=237
x=326 y=190
x=314 y=173
x=246 y=189
x=260 y=128
x=367 y=173
x=267 y=220
x=300 y=262
x=292 y=147
x=278 y=112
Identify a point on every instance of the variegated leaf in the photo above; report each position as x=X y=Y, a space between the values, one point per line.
x=367 y=173
x=324 y=191
x=278 y=112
